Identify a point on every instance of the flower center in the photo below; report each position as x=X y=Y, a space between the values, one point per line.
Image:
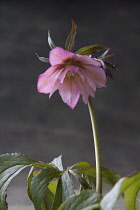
x=69 y=74
x=71 y=61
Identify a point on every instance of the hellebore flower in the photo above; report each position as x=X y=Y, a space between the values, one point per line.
x=73 y=75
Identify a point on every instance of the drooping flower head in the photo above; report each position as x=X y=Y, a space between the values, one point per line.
x=73 y=74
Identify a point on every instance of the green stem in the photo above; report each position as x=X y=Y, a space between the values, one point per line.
x=97 y=148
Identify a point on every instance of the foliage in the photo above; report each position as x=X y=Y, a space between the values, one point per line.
x=50 y=187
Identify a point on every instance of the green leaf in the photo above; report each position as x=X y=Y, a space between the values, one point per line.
x=89 y=50
x=58 y=195
x=82 y=165
x=64 y=190
x=71 y=38
x=39 y=184
x=42 y=165
x=110 y=199
x=109 y=177
x=5 y=180
x=81 y=180
x=129 y=186
x=52 y=186
x=10 y=166
x=131 y=195
x=138 y=200
x=50 y=41
x=86 y=200
x=90 y=180
x=46 y=60
x=48 y=199
x=29 y=179
x=58 y=163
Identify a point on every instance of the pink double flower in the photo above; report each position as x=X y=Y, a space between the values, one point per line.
x=73 y=75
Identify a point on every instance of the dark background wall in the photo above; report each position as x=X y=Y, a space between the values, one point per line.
x=43 y=128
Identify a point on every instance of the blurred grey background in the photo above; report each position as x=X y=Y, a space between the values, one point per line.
x=43 y=128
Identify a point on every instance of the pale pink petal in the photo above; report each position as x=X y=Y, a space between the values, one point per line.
x=70 y=93
x=88 y=78
x=85 y=59
x=63 y=75
x=86 y=90
x=55 y=76
x=44 y=79
x=98 y=75
x=73 y=69
x=58 y=55
x=54 y=88
x=64 y=91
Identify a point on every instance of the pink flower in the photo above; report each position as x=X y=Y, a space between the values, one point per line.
x=73 y=75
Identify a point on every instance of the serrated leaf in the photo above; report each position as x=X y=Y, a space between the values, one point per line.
x=39 y=184
x=86 y=200
x=71 y=38
x=10 y=166
x=10 y=160
x=42 y=165
x=58 y=163
x=64 y=190
x=109 y=177
x=50 y=41
x=81 y=180
x=90 y=180
x=46 y=60
x=5 y=179
x=91 y=49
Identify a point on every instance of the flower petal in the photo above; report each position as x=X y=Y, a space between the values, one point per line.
x=85 y=59
x=43 y=84
x=73 y=69
x=97 y=73
x=58 y=55
x=70 y=93
x=63 y=74
x=87 y=77
x=54 y=88
x=86 y=90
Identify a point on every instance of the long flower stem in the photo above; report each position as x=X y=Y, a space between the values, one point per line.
x=97 y=148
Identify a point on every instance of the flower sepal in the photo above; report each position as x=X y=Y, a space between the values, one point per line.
x=50 y=41
x=69 y=45
x=91 y=49
x=46 y=60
